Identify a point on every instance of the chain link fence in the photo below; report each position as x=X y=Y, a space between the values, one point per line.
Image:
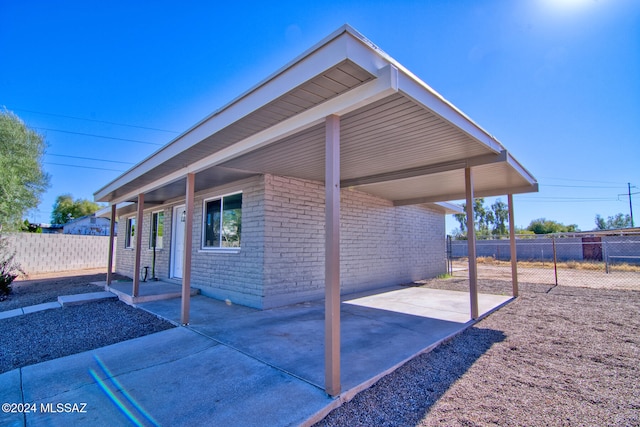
x=599 y=260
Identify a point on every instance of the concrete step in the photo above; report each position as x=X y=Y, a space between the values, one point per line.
x=67 y=300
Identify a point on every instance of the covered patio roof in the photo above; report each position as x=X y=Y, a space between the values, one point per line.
x=400 y=140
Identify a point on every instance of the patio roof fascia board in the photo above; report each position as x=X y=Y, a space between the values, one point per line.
x=384 y=85
x=427 y=170
x=515 y=164
x=343 y=44
x=421 y=93
x=449 y=208
x=481 y=193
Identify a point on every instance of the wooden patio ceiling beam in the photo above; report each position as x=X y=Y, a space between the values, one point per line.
x=426 y=170
x=460 y=196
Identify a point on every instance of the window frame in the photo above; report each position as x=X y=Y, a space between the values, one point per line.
x=129 y=239
x=220 y=248
x=154 y=225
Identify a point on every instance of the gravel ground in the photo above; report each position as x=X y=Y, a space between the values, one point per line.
x=47 y=289
x=556 y=356
x=46 y=335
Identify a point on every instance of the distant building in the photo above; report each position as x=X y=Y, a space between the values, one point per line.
x=51 y=228
x=89 y=225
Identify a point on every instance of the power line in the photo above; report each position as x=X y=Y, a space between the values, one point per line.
x=94 y=120
x=99 y=136
x=583 y=180
x=83 y=167
x=576 y=186
x=89 y=158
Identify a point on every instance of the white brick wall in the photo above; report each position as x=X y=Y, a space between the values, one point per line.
x=380 y=244
x=45 y=253
x=282 y=255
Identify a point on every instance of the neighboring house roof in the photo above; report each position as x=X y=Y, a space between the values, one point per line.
x=400 y=140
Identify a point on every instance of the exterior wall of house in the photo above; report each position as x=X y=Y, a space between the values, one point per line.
x=236 y=277
x=381 y=244
x=281 y=260
x=228 y=275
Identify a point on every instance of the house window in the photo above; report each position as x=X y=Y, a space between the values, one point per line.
x=131 y=232
x=157 y=230
x=223 y=222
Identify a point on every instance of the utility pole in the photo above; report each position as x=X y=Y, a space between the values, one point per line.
x=630 y=205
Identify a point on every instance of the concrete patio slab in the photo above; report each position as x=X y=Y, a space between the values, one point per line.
x=379 y=331
x=235 y=365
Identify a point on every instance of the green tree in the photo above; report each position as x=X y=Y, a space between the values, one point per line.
x=22 y=179
x=613 y=222
x=500 y=218
x=66 y=209
x=546 y=226
x=488 y=220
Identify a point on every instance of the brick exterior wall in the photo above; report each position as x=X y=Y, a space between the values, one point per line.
x=47 y=253
x=381 y=245
x=282 y=256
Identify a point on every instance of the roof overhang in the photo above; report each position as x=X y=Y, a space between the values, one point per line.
x=400 y=140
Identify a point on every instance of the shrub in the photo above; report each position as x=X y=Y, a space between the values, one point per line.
x=9 y=268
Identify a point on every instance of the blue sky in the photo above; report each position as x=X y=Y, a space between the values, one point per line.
x=557 y=82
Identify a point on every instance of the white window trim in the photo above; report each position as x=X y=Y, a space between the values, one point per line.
x=127 y=235
x=151 y=230
x=215 y=249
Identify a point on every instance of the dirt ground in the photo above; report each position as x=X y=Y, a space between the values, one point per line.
x=556 y=356
x=545 y=275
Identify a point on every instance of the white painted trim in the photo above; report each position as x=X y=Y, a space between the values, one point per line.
x=421 y=93
x=151 y=228
x=172 y=257
x=220 y=248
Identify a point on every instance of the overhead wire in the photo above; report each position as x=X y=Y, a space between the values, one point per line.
x=90 y=158
x=83 y=167
x=94 y=120
x=100 y=136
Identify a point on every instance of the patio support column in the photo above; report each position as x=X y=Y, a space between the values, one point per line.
x=112 y=232
x=471 y=242
x=332 y=256
x=188 y=242
x=512 y=246
x=138 y=248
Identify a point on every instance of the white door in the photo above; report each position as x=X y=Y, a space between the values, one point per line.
x=177 y=241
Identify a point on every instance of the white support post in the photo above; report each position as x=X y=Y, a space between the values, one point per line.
x=188 y=243
x=112 y=233
x=332 y=256
x=512 y=245
x=471 y=242
x=138 y=249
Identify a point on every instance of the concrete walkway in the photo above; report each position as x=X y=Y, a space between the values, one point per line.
x=238 y=366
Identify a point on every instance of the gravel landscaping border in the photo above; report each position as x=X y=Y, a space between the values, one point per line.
x=48 y=289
